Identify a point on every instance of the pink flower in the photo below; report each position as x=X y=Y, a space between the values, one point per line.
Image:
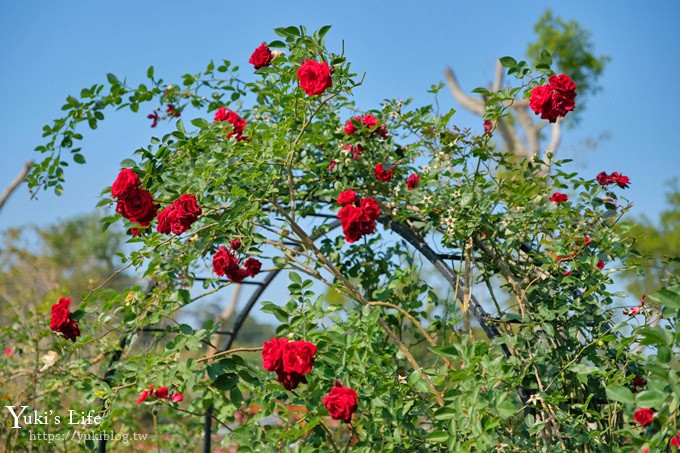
x=559 y=197
x=262 y=56
x=9 y=352
x=314 y=77
x=412 y=181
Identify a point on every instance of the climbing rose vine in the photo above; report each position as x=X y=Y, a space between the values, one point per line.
x=443 y=293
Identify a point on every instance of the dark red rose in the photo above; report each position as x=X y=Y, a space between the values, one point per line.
x=314 y=77
x=356 y=150
x=643 y=416
x=261 y=57
x=290 y=381
x=384 y=172
x=298 y=357
x=135 y=231
x=224 y=262
x=272 y=354
x=675 y=440
x=61 y=321
x=350 y=125
x=370 y=207
x=188 y=209
x=600 y=264
x=347 y=197
x=603 y=178
x=252 y=267
x=166 y=218
x=559 y=197
x=341 y=402
x=352 y=219
x=488 y=127
x=173 y=111
x=144 y=395
x=235 y=244
x=622 y=181
x=125 y=184
x=412 y=181
x=137 y=207
x=555 y=99
x=154 y=117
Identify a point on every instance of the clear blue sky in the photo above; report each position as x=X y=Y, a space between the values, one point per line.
x=54 y=48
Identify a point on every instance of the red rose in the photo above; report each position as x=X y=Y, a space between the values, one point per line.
x=350 y=127
x=290 y=381
x=341 y=402
x=125 y=184
x=555 y=99
x=352 y=219
x=413 y=181
x=154 y=118
x=173 y=111
x=559 y=197
x=369 y=121
x=298 y=357
x=224 y=262
x=314 y=77
x=166 y=218
x=261 y=57
x=643 y=416
x=187 y=209
x=600 y=264
x=488 y=127
x=177 y=397
x=252 y=267
x=235 y=244
x=137 y=207
x=161 y=392
x=356 y=150
x=347 y=197
x=220 y=114
x=332 y=164
x=144 y=395
x=384 y=172
x=370 y=207
x=675 y=440
x=272 y=354
x=61 y=321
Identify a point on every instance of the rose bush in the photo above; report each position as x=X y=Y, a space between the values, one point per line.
x=471 y=314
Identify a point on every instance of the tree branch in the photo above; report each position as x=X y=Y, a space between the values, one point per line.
x=15 y=183
x=472 y=104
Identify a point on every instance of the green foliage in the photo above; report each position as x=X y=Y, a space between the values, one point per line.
x=552 y=369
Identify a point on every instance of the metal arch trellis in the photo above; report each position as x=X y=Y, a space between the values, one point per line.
x=437 y=260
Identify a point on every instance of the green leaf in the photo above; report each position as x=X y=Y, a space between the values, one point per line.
x=127 y=163
x=506 y=409
x=277 y=44
x=295 y=277
x=200 y=123
x=650 y=398
x=324 y=30
x=113 y=80
x=76 y=315
x=508 y=62
x=445 y=413
x=78 y=158
x=226 y=382
x=620 y=393
x=149 y=72
x=669 y=297
x=438 y=436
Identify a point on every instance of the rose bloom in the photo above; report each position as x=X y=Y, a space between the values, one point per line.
x=61 y=321
x=341 y=402
x=252 y=267
x=350 y=126
x=290 y=381
x=347 y=197
x=643 y=416
x=272 y=353
x=675 y=440
x=153 y=116
x=177 y=397
x=179 y=216
x=356 y=150
x=235 y=244
x=559 y=197
x=488 y=127
x=412 y=181
x=355 y=223
x=555 y=99
x=298 y=357
x=384 y=172
x=314 y=77
x=125 y=184
x=261 y=57
x=138 y=207
x=224 y=262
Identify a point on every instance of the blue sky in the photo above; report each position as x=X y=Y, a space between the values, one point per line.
x=52 y=49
